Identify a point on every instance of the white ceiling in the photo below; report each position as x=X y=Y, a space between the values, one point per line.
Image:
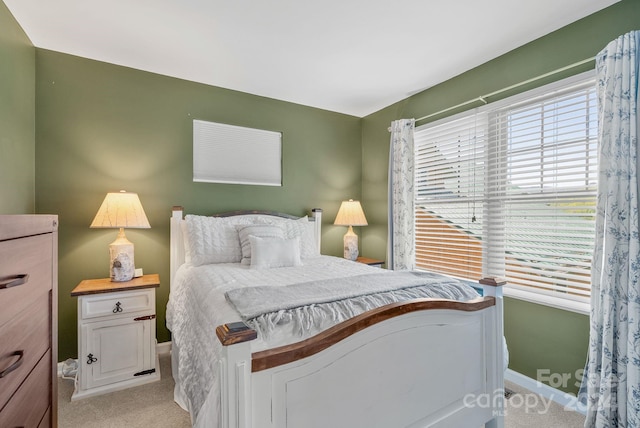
x=348 y=56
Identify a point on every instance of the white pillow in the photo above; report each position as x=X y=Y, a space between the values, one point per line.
x=213 y=239
x=259 y=230
x=305 y=230
x=274 y=252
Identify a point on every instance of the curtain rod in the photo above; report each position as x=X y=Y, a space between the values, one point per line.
x=482 y=98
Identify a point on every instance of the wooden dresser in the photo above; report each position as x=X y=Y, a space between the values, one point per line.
x=28 y=321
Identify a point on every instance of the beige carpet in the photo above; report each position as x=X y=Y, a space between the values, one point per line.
x=526 y=409
x=152 y=405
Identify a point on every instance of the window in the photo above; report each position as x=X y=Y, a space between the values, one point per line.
x=510 y=189
x=236 y=155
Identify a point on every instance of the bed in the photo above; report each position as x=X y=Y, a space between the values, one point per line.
x=400 y=357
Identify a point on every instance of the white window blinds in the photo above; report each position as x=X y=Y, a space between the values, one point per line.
x=509 y=190
x=450 y=174
x=545 y=185
x=236 y=155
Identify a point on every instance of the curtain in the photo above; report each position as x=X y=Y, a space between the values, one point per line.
x=401 y=241
x=612 y=377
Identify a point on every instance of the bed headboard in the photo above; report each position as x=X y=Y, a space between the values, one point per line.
x=176 y=245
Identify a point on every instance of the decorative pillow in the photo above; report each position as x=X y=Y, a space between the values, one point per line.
x=274 y=252
x=305 y=230
x=259 y=230
x=213 y=239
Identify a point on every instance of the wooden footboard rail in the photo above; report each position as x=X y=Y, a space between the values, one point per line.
x=244 y=387
x=289 y=353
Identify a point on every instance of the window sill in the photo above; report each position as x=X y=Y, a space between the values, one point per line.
x=554 y=302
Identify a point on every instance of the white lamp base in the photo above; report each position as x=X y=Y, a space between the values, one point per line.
x=121 y=267
x=350 y=245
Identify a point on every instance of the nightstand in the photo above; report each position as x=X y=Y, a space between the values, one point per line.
x=370 y=262
x=116 y=335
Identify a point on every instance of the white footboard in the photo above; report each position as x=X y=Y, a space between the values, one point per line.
x=439 y=364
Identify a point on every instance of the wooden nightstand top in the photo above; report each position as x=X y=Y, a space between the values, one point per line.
x=370 y=262
x=105 y=285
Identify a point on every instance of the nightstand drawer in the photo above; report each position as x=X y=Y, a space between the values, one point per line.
x=115 y=304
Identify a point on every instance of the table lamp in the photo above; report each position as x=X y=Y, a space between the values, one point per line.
x=350 y=214
x=121 y=210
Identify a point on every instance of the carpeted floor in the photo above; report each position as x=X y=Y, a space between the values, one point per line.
x=525 y=409
x=152 y=405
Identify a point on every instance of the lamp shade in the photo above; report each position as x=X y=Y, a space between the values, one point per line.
x=350 y=214
x=121 y=210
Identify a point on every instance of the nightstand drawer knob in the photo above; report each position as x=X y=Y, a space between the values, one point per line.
x=117 y=308
x=91 y=359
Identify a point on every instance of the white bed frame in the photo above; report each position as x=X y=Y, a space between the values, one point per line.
x=423 y=363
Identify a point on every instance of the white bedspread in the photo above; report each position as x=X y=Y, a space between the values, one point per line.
x=197 y=305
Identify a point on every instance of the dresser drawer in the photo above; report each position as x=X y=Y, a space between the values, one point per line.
x=31 y=402
x=23 y=341
x=46 y=420
x=30 y=256
x=116 y=304
x=18 y=226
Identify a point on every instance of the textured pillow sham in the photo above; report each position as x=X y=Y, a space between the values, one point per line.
x=267 y=253
x=259 y=230
x=213 y=239
x=305 y=230
x=216 y=240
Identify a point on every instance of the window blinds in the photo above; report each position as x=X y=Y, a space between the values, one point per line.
x=237 y=155
x=510 y=191
x=450 y=174
x=545 y=184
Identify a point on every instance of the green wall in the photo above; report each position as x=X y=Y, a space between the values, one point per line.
x=538 y=337
x=545 y=341
x=102 y=127
x=17 y=117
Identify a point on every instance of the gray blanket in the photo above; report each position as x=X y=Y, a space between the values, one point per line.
x=264 y=306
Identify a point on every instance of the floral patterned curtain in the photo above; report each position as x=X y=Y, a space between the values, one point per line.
x=612 y=378
x=401 y=241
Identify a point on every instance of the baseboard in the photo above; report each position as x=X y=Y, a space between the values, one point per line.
x=566 y=400
x=161 y=349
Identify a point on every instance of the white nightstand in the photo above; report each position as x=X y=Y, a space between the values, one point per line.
x=370 y=262
x=116 y=335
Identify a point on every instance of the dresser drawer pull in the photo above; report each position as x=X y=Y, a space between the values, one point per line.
x=15 y=365
x=146 y=317
x=117 y=308
x=14 y=281
x=91 y=359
